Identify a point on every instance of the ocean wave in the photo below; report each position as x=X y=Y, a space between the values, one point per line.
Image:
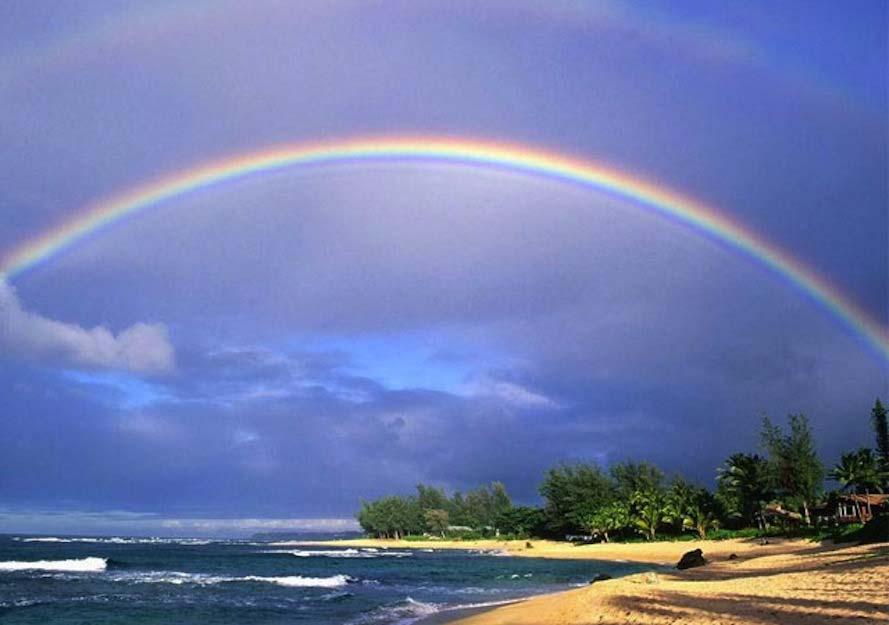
x=402 y=613
x=297 y=581
x=341 y=553
x=410 y=611
x=20 y=603
x=204 y=579
x=83 y=565
x=115 y=540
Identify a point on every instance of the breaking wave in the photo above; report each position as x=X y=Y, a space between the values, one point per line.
x=341 y=553
x=203 y=579
x=115 y=540
x=410 y=611
x=83 y=565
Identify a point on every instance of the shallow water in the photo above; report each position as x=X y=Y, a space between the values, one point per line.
x=147 y=581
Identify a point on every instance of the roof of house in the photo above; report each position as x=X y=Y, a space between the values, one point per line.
x=874 y=500
x=777 y=510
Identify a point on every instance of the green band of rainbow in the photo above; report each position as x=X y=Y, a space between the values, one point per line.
x=516 y=158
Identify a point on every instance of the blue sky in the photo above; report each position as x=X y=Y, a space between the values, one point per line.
x=263 y=354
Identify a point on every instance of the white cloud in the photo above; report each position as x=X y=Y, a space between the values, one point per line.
x=126 y=523
x=259 y=525
x=142 y=347
x=510 y=393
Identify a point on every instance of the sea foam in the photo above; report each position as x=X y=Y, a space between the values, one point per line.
x=116 y=540
x=341 y=553
x=83 y=565
x=202 y=579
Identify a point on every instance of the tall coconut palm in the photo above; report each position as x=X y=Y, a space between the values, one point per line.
x=858 y=471
x=745 y=476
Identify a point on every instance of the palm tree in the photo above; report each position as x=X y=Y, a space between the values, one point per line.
x=651 y=511
x=859 y=470
x=699 y=520
x=745 y=476
x=615 y=516
x=681 y=496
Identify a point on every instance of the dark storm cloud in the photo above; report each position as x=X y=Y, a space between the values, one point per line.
x=346 y=332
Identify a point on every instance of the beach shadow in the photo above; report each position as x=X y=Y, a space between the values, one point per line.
x=827 y=598
x=815 y=559
x=754 y=609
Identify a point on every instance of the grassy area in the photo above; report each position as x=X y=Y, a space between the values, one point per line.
x=847 y=533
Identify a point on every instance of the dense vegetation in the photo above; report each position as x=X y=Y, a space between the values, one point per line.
x=755 y=495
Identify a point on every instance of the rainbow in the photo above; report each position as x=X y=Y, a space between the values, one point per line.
x=516 y=158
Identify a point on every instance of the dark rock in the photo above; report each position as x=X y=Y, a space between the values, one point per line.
x=691 y=559
x=528 y=545
x=601 y=577
x=733 y=556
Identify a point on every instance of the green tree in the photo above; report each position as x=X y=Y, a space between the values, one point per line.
x=794 y=468
x=431 y=498
x=881 y=430
x=523 y=521
x=699 y=519
x=681 y=496
x=437 y=521
x=612 y=517
x=859 y=471
x=743 y=486
x=573 y=493
x=650 y=511
x=501 y=505
x=459 y=514
x=391 y=517
x=633 y=477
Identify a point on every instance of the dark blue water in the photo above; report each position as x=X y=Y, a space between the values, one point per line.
x=112 y=580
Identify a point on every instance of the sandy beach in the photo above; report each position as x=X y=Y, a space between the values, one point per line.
x=791 y=581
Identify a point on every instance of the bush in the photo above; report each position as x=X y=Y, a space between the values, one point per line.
x=874 y=531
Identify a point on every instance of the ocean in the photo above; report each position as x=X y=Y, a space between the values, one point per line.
x=113 y=580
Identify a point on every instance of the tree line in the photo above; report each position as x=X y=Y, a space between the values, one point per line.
x=632 y=499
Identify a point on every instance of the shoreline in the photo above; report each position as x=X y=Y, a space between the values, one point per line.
x=830 y=583
x=786 y=581
x=460 y=613
x=664 y=553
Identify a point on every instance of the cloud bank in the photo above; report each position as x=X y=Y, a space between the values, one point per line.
x=141 y=347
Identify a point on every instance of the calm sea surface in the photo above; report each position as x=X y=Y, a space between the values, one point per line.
x=98 y=581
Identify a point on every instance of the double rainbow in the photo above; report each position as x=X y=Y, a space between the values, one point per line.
x=659 y=199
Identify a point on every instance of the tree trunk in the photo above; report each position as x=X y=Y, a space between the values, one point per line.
x=605 y=534
x=806 y=513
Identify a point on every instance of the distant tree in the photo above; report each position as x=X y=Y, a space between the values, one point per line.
x=573 y=493
x=881 y=430
x=391 y=517
x=431 y=498
x=501 y=505
x=794 y=468
x=523 y=521
x=612 y=517
x=459 y=514
x=437 y=521
x=634 y=477
x=743 y=486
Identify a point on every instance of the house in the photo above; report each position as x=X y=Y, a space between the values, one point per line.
x=855 y=508
x=774 y=512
